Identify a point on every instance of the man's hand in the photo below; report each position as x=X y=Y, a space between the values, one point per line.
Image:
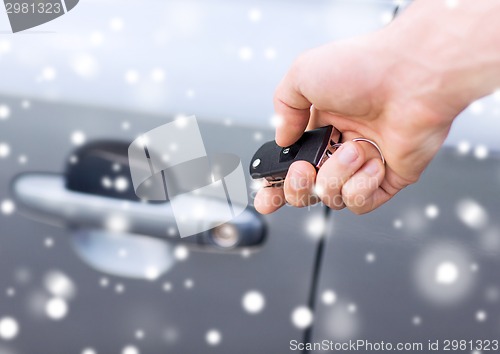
x=400 y=87
x=346 y=85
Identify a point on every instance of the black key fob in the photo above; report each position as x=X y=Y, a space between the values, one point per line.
x=314 y=146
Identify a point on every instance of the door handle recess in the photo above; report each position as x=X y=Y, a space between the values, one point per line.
x=78 y=200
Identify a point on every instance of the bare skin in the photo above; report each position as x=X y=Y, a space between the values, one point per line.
x=401 y=87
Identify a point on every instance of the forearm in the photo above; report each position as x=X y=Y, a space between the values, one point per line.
x=448 y=56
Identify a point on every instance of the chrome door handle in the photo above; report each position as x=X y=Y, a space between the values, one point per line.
x=107 y=223
x=44 y=197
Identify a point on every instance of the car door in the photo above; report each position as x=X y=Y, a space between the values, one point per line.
x=69 y=292
x=422 y=269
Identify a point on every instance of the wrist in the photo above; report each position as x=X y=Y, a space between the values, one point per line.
x=444 y=57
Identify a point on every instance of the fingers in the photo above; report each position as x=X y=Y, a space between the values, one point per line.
x=297 y=190
x=268 y=200
x=291 y=107
x=336 y=171
x=353 y=176
x=299 y=184
x=361 y=193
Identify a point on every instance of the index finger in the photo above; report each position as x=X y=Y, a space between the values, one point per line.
x=291 y=106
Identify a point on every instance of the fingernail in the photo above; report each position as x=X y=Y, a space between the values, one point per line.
x=298 y=180
x=371 y=168
x=347 y=154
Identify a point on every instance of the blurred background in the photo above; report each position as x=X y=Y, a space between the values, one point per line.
x=423 y=267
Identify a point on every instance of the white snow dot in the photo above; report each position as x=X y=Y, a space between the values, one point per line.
x=181 y=121
x=397 y=224
x=492 y=294
x=213 y=337
x=463 y=147
x=25 y=104
x=119 y=288
x=167 y=287
x=104 y=282
x=481 y=316
x=172 y=231
x=130 y=349
x=386 y=17
x=4 y=112
x=370 y=257
x=78 y=137
x=7 y=207
x=188 y=283
x=10 y=292
x=106 y=182
x=302 y=317
x=352 y=308
x=245 y=253
x=56 y=308
x=496 y=95
x=253 y=302
x=131 y=76
x=22 y=275
x=270 y=53
x=316 y=226
x=122 y=253
x=190 y=93
x=22 y=159
x=116 y=223
x=328 y=297
x=151 y=273
x=116 y=24
x=432 y=211
x=446 y=273
x=48 y=242
x=245 y=53
x=139 y=334
x=121 y=184
x=181 y=253
x=5 y=47
x=125 y=125
x=49 y=73
x=476 y=107
x=9 y=328
x=89 y=351
x=4 y=150
x=96 y=38
x=472 y=213
x=59 y=284
x=254 y=15
x=451 y=3
x=416 y=321
x=276 y=121
x=85 y=66
x=158 y=75
x=481 y=152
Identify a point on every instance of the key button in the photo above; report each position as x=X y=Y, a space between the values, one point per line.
x=289 y=153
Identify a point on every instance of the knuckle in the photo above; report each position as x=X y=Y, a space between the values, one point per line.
x=290 y=197
x=359 y=211
x=296 y=198
x=333 y=201
x=356 y=202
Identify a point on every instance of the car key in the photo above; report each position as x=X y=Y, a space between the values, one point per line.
x=271 y=161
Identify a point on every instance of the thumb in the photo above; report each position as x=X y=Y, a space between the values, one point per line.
x=291 y=106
